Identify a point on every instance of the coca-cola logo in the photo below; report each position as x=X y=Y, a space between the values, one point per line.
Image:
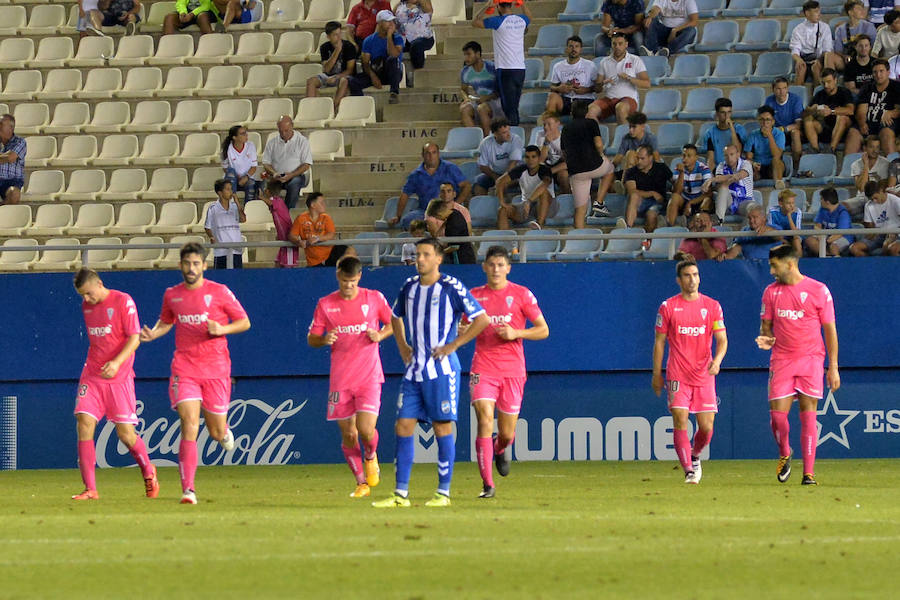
x=262 y=445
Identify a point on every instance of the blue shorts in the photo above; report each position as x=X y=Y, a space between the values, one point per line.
x=429 y=400
x=648 y=204
x=5 y=184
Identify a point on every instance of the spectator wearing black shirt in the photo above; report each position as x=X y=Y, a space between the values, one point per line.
x=858 y=71
x=877 y=110
x=828 y=116
x=338 y=64
x=536 y=201
x=647 y=186
x=582 y=148
x=454 y=225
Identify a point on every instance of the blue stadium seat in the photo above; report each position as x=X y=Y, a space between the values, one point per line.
x=566 y=213
x=800 y=90
x=462 y=142
x=744 y=8
x=519 y=131
x=390 y=210
x=470 y=170
x=746 y=100
x=579 y=10
x=672 y=136
x=551 y=40
x=770 y=65
x=534 y=250
x=545 y=82
x=689 y=69
x=483 y=210
x=588 y=34
x=820 y=167
x=662 y=105
x=396 y=252
x=657 y=68
x=836 y=21
x=788 y=169
x=531 y=106
x=785 y=42
x=534 y=72
x=535 y=132
x=616 y=205
x=617 y=249
x=483 y=246
x=620 y=132
x=367 y=252
x=710 y=9
x=703 y=128
x=800 y=200
x=718 y=36
x=700 y=103
x=579 y=250
x=783 y=8
x=731 y=68
x=844 y=177
x=760 y=34
x=663 y=249
x=812 y=209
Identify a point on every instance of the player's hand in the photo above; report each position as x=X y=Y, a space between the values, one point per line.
x=374 y=335
x=833 y=378
x=462 y=327
x=443 y=351
x=109 y=370
x=765 y=342
x=657 y=383
x=714 y=366
x=146 y=334
x=185 y=17
x=405 y=352
x=507 y=333
x=215 y=328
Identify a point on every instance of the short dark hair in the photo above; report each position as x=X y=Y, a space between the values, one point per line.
x=689 y=147
x=860 y=37
x=579 y=109
x=312 y=197
x=723 y=103
x=417 y=225
x=850 y=4
x=433 y=242
x=871 y=138
x=810 y=5
x=891 y=16
x=765 y=108
x=778 y=80
x=83 y=276
x=637 y=118
x=783 y=252
x=499 y=123
x=687 y=261
x=192 y=248
x=882 y=62
x=331 y=26
x=349 y=265
x=219 y=185
x=473 y=46
x=574 y=38
x=872 y=188
x=829 y=195
x=497 y=251
x=647 y=148
x=532 y=148
x=274 y=186
x=829 y=71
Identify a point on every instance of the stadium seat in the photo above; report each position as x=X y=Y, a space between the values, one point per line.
x=551 y=40
x=788 y=169
x=269 y=110
x=125 y=185
x=256 y=16
x=199 y=149
x=732 y=68
x=743 y=8
x=15 y=52
x=41 y=150
x=293 y=46
x=800 y=200
x=100 y=84
x=580 y=250
x=800 y=90
x=588 y=33
x=283 y=14
x=616 y=205
x=664 y=249
x=462 y=142
x=322 y=11
x=171 y=258
x=22 y=85
x=760 y=34
x=259 y=217
x=820 y=168
x=657 y=68
x=619 y=133
x=52 y=52
x=662 y=104
x=173 y=50
x=58 y=260
x=534 y=72
x=579 y=10
x=672 y=136
x=296 y=79
x=565 y=216
x=141 y=82
x=746 y=100
x=710 y=9
x=842 y=178
x=253 y=47
x=141 y=258
x=483 y=210
x=700 y=103
x=314 y=112
x=14 y=219
x=470 y=170
x=785 y=42
x=76 y=151
x=133 y=51
x=831 y=7
x=354 y=111
x=149 y=116
x=51 y=219
x=230 y=112
x=174 y=217
x=12 y=19
x=109 y=117
x=44 y=186
x=621 y=248
x=18 y=261
x=102 y=259
x=689 y=69
x=539 y=250
x=718 y=36
x=134 y=218
x=212 y=49
x=394 y=255
x=45 y=20
x=262 y=80
x=222 y=80
x=449 y=12
x=93 y=219
x=166 y=183
x=782 y=8
x=326 y=144
x=510 y=245
x=367 y=252
x=31 y=118
x=545 y=82
x=531 y=106
x=158 y=149
x=61 y=84
x=181 y=82
x=68 y=117
x=92 y=52
x=202 y=182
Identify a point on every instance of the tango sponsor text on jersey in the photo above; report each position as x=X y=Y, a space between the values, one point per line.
x=797 y=313
x=513 y=305
x=689 y=328
x=109 y=324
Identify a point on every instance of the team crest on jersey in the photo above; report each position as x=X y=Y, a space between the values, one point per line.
x=109 y=313
x=365 y=309
x=509 y=301
x=445 y=406
x=659 y=320
x=207 y=298
x=803 y=296
x=703 y=312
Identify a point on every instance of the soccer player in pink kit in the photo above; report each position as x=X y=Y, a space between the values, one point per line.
x=690 y=321
x=794 y=310
x=200 y=311
x=106 y=387
x=353 y=321
x=497 y=377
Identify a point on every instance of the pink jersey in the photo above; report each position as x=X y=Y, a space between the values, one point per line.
x=797 y=313
x=355 y=361
x=689 y=327
x=109 y=324
x=199 y=355
x=513 y=305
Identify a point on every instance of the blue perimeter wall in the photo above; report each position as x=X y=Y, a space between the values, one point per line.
x=588 y=395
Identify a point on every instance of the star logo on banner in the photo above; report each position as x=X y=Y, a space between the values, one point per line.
x=833 y=419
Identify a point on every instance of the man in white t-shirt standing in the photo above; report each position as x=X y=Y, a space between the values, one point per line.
x=671 y=25
x=619 y=77
x=509 y=52
x=571 y=80
x=287 y=158
x=223 y=225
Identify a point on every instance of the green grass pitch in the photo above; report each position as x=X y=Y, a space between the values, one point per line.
x=555 y=530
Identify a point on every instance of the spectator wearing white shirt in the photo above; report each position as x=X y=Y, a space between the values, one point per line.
x=571 y=80
x=619 y=77
x=733 y=182
x=223 y=225
x=882 y=210
x=810 y=41
x=671 y=25
x=549 y=140
x=871 y=166
x=498 y=153
x=240 y=162
x=887 y=40
x=414 y=23
x=287 y=158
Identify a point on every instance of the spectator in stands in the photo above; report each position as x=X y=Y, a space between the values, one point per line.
x=537 y=198
x=508 y=31
x=647 y=186
x=425 y=182
x=725 y=132
x=619 y=77
x=765 y=148
x=858 y=71
x=882 y=210
x=271 y=194
x=877 y=108
x=549 y=140
x=452 y=224
x=497 y=154
x=788 y=109
x=688 y=196
x=381 y=56
x=447 y=197
x=787 y=217
x=571 y=80
x=201 y=13
x=638 y=135
x=90 y=18
x=417 y=230
x=124 y=13
x=733 y=182
x=231 y=11
x=887 y=40
x=878 y=9
x=414 y=22
x=582 y=147
x=338 y=65
x=240 y=162
x=828 y=117
x=287 y=158
x=12 y=161
x=671 y=25
x=754 y=247
x=871 y=166
x=620 y=16
x=361 y=22
x=810 y=42
x=703 y=248
x=847 y=33
x=312 y=227
x=831 y=216
x=223 y=225
x=478 y=80
x=894 y=177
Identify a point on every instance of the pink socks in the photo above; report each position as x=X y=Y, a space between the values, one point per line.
x=371 y=446
x=781 y=430
x=701 y=441
x=354 y=459
x=139 y=453
x=683 y=448
x=187 y=463
x=87 y=456
x=484 y=451
x=809 y=437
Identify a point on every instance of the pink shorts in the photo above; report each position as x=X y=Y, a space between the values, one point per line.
x=505 y=392
x=805 y=375
x=343 y=404
x=695 y=398
x=100 y=398
x=214 y=394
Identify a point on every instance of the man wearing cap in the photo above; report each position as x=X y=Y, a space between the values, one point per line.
x=381 y=54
